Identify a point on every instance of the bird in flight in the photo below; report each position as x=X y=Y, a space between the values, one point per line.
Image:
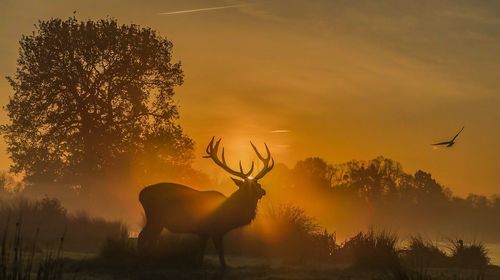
x=449 y=143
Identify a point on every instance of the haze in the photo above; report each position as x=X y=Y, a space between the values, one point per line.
x=335 y=79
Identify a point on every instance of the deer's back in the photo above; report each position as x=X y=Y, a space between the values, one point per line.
x=179 y=208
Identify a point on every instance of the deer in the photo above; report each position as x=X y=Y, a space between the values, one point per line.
x=208 y=214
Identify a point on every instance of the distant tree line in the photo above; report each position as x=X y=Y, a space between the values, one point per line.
x=379 y=192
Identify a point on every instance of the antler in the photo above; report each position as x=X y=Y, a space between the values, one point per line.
x=212 y=151
x=265 y=160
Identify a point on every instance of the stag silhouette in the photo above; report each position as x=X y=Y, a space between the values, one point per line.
x=209 y=214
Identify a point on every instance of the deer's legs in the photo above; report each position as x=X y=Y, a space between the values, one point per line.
x=203 y=245
x=220 y=250
x=148 y=237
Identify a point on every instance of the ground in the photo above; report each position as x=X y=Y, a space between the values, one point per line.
x=252 y=269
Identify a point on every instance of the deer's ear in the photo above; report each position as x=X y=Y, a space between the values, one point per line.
x=238 y=182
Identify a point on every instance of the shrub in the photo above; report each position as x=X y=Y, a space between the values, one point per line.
x=372 y=251
x=474 y=255
x=286 y=232
x=84 y=233
x=294 y=230
x=422 y=253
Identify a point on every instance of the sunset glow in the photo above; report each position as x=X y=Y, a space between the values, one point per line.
x=346 y=82
x=250 y=139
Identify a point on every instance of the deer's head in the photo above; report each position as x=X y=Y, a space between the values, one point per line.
x=245 y=182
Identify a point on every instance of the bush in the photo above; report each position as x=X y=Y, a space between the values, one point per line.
x=474 y=255
x=372 y=251
x=422 y=253
x=84 y=233
x=285 y=232
x=295 y=231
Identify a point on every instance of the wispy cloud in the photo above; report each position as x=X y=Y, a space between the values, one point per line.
x=201 y=10
x=282 y=146
x=280 y=131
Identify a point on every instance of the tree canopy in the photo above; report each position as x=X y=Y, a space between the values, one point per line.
x=379 y=192
x=90 y=94
x=370 y=180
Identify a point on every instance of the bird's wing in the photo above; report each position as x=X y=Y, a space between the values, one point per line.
x=457 y=134
x=442 y=143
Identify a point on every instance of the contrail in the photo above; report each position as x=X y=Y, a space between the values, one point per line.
x=200 y=10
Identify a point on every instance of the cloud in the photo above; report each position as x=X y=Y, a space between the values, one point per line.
x=280 y=131
x=201 y=10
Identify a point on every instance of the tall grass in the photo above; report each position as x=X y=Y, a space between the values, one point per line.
x=17 y=262
x=371 y=250
x=421 y=253
x=473 y=255
x=172 y=250
x=299 y=237
x=84 y=233
x=288 y=233
x=285 y=232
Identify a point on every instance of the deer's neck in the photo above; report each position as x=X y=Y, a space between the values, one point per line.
x=239 y=209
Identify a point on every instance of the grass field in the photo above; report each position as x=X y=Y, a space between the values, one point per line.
x=257 y=269
x=93 y=248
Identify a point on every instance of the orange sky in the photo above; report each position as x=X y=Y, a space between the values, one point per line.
x=341 y=80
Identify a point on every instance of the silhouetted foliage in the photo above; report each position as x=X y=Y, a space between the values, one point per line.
x=286 y=232
x=423 y=253
x=473 y=255
x=9 y=184
x=118 y=246
x=298 y=237
x=372 y=250
x=172 y=250
x=83 y=232
x=379 y=192
x=22 y=260
x=312 y=174
x=89 y=96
